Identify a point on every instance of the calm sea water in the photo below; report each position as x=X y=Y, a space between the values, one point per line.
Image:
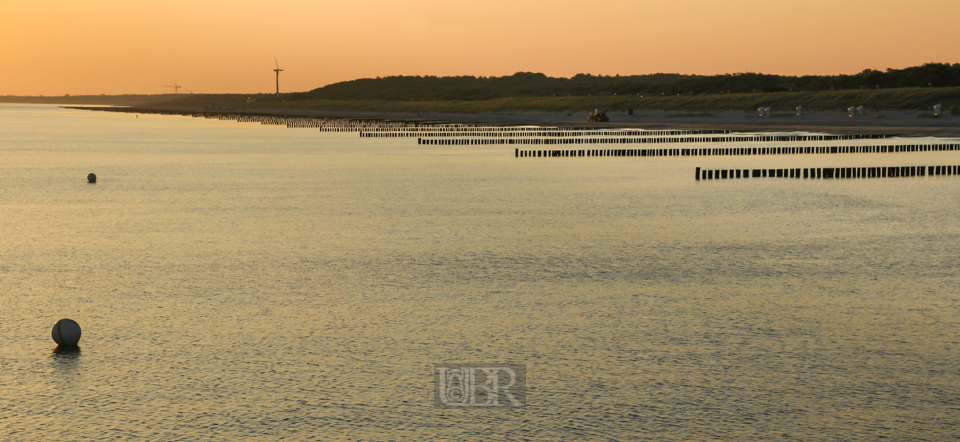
x=237 y=281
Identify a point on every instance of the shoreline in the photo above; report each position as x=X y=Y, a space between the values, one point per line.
x=906 y=123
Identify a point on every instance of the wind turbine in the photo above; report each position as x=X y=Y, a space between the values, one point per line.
x=175 y=87
x=277 y=70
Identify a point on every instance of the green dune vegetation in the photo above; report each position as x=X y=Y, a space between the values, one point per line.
x=914 y=88
x=525 y=84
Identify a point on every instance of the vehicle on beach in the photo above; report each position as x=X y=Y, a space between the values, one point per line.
x=598 y=116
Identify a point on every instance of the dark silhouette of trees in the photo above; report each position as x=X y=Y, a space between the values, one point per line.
x=528 y=84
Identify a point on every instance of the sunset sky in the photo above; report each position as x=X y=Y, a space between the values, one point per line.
x=56 y=47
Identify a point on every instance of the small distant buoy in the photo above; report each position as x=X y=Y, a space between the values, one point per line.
x=66 y=332
x=92 y=177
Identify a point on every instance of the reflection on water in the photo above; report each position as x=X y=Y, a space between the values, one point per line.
x=64 y=381
x=240 y=282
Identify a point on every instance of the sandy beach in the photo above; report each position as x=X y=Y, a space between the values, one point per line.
x=908 y=123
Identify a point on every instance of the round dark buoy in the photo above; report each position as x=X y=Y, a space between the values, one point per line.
x=92 y=177
x=66 y=332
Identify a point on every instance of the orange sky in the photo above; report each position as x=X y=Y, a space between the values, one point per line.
x=56 y=47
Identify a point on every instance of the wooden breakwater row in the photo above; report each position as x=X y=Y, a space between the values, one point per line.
x=744 y=138
x=505 y=132
x=288 y=121
x=392 y=128
x=344 y=125
x=264 y=119
x=325 y=124
x=828 y=172
x=332 y=124
x=466 y=129
x=896 y=148
x=367 y=127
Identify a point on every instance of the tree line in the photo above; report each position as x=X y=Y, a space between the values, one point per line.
x=527 y=84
